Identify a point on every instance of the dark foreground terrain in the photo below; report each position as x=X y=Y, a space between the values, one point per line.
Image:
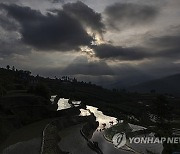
x=25 y=100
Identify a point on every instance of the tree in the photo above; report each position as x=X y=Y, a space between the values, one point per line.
x=74 y=80
x=8 y=67
x=13 y=68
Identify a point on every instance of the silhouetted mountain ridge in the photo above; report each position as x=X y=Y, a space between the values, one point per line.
x=169 y=84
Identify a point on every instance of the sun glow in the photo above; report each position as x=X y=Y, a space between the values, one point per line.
x=98 y=38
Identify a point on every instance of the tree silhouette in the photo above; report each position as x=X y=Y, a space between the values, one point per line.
x=8 y=67
x=13 y=68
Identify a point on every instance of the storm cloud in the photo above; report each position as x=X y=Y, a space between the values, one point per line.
x=166 y=42
x=86 y=15
x=129 y=14
x=7 y=23
x=107 y=51
x=167 y=50
x=49 y=32
x=167 y=45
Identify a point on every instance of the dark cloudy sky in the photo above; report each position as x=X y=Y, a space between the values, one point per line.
x=103 y=41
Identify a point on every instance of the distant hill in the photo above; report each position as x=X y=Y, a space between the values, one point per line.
x=130 y=80
x=169 y=84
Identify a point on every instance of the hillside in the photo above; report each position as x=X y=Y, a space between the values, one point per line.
x=170 y=84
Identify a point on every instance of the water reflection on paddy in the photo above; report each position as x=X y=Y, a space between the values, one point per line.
x=106 y=122
x=63 y=104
